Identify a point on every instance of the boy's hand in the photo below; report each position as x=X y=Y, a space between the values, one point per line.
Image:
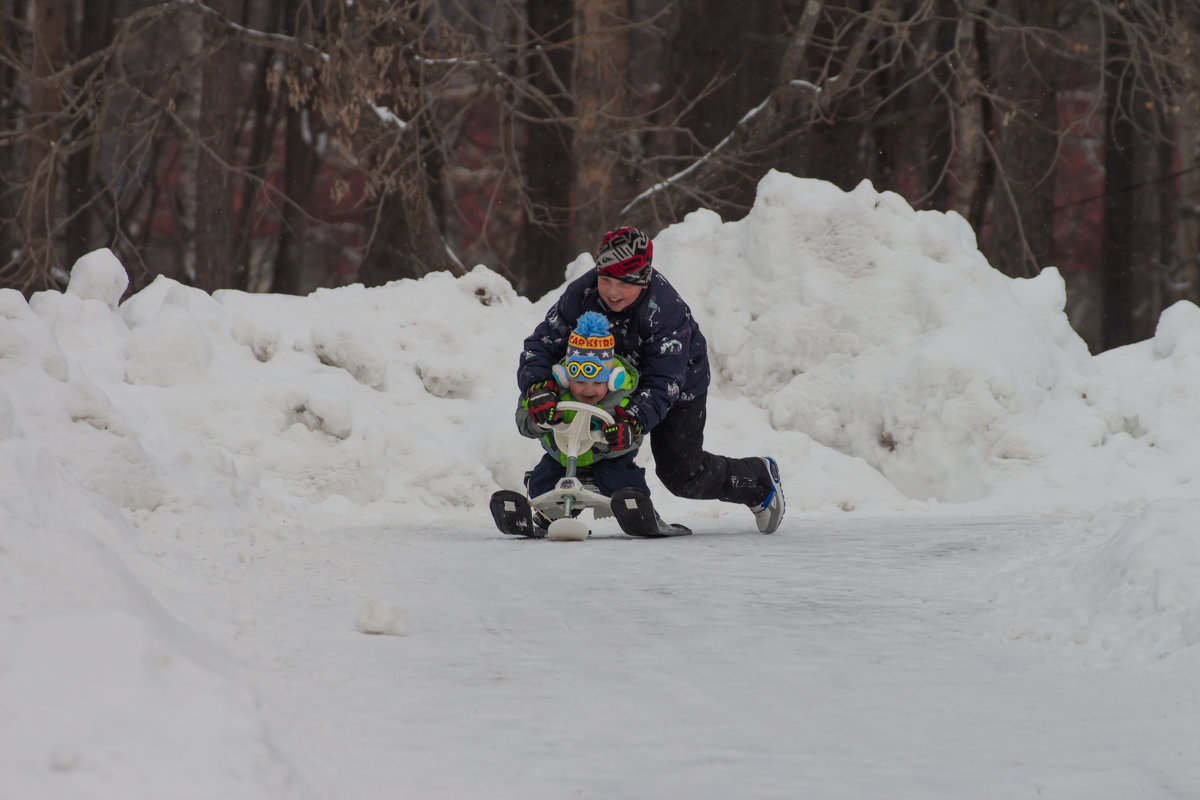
x=622 y=433
x=541 y=401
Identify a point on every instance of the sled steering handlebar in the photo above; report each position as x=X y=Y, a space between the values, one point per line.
x=577 y=437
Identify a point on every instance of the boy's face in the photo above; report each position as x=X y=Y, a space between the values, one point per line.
x=588 y=391
x=617 y=295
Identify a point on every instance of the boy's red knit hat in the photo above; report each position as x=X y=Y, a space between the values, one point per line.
x=625 y=254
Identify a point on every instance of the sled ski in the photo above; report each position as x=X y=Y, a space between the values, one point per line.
x=514 y=515
x=636 y=515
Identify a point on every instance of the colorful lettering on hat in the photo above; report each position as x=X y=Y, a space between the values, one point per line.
x=592 y=342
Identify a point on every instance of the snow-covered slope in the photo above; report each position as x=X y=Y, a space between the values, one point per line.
x=152 y=449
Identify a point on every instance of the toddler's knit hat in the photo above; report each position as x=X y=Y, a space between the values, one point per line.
x=591 y=351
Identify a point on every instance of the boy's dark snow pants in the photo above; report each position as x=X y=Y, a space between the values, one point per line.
x=688 y=471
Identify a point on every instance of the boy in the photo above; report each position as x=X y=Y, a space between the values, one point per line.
x=654 y=332
x=592 y=373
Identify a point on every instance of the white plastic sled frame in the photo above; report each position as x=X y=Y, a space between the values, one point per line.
x=573 y=438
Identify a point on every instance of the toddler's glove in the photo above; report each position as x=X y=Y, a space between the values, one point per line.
x=623 y=433
x=541 y=401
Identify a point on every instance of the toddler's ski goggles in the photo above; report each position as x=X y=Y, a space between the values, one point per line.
x=586 y=368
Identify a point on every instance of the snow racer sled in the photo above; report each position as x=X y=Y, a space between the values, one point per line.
x=553 y=514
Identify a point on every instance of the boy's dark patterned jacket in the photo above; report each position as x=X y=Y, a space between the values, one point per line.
x=656 y=335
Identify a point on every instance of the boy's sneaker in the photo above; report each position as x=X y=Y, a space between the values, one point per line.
x=769 y=513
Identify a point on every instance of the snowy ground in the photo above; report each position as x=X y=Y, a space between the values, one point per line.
x=245 y=551
x=861 y=659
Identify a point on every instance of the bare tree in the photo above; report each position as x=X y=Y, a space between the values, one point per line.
x=301 y=161
x=971 y=173
x=1147 y=48
x=207 y=108
x=700 y=179
x=546 y=156
x=165 y=121
x=1186 y=280
x=876 y=77
x=1024 y=116
x=601 y=106
x=380 y=139
x=404 y=230
x=48 y=29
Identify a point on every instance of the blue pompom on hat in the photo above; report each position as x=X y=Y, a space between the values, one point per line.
x=591 y=352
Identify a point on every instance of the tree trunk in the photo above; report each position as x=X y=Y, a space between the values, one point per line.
x=405 y=232
x=208 y=111
x=972 y=165
x=941 y=134
x=300 y=168
x=300 y=165
x=601 y=105
x=48 y=25
x=407 y=240
x=542 y=249
x=219 y=130
x=840 y=148
x=726 y=59
x=255 y=253
x=1181 y=197
x=1121 y=211
x=95 y=34
x=1021 y=239
x=1187 y=234
x=191 y=39
x=10 y=43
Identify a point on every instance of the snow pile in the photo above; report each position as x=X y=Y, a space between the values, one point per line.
x=851 y=336
x=99 y=686
x=867 y=346
x=1128 y=594
x=883 y=334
